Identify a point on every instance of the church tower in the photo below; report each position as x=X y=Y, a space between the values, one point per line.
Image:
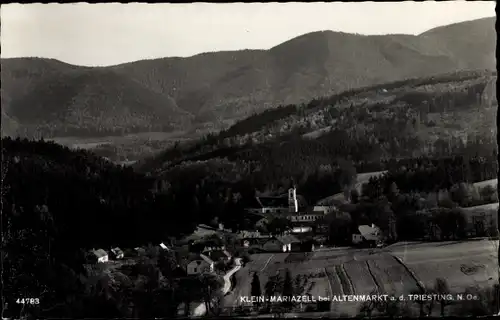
x=292 y=200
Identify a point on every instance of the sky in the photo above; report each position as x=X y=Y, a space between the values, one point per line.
x=107 y=34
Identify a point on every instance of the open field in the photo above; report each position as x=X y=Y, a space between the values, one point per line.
x=490 y=207
x=398 y=269
x=462 y=264
x=89 y=143
x=482 y=184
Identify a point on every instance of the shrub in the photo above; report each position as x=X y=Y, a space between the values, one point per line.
x=245 y=258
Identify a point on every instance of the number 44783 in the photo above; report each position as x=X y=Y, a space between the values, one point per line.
x=28 y=301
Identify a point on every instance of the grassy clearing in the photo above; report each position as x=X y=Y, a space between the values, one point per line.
x=462 y=264
x=493 y=183
x=460 y=274
x=88 y=143
x=484 y=207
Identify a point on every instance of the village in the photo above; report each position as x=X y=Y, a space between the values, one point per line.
x=286 y=232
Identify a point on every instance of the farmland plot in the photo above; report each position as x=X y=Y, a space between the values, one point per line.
x=360 y=275
x=260 y=261
x=317 y=283
x=392 y=277
x=335 y=279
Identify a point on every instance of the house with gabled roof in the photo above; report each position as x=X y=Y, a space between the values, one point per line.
x=201 y=264
x=219 y=255
x=101 y=255
x=284 y=243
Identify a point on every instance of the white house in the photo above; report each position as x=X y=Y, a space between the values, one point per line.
x=164 y=246
x=101 y=255
x=202 y=264
x=302 y=229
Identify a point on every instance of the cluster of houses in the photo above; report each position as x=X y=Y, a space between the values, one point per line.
x=292 y=207
x=202 y=256
x=304 y=220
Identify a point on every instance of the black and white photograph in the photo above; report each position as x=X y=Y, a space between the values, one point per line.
x=249 y=160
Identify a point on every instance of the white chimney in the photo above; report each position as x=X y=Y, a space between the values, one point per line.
x=292 y=200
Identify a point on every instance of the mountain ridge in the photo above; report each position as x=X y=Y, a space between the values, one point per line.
x=217 y=89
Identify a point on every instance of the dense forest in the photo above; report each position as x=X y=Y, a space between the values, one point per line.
x=437 y=116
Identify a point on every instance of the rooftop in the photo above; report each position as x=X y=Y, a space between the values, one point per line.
x=207 y=259
x=100 y=253
x=288 y=239
x=219 y=254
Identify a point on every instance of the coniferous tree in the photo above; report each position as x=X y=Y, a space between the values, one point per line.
x=255 y=289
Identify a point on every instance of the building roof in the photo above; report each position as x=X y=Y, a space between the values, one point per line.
x=219 y=254
x=164 y=246
x=259 y=240
x=287 y=239
x=199 y=257
x=100 y=253
x=207 y=259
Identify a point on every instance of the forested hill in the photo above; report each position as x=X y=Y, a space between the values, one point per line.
x=447 y=114
x=57 y=204
x=80 y=193
x=50 y=98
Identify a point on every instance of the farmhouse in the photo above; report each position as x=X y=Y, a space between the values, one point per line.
x=366 y=235
x=101 y=255
x=201 y=264
x=284 y=243
x=117 y=253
